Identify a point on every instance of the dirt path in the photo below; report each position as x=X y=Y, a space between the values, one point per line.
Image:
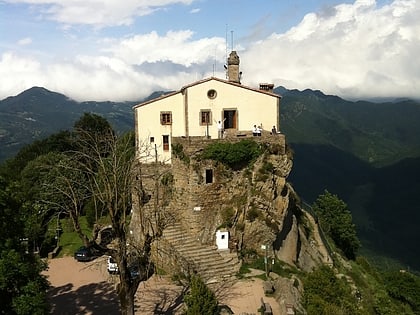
x=87 y=288
x=81 y=288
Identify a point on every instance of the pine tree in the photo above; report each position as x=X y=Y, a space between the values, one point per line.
x=200 y=300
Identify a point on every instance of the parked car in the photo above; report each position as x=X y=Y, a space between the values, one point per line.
x=84 y=254
x=112 y=265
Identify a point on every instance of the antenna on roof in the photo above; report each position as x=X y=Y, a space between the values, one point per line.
x=214 y=62
x=226 y=51
x=231 y=35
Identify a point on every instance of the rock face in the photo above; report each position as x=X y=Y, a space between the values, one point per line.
x=254 y=205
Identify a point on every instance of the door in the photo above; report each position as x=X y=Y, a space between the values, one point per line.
x=231 y=119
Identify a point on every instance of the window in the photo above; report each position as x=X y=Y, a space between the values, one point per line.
x=165 y=143
x=152 y=139
x=205 y=117
x=211 y=94
x=165 y=118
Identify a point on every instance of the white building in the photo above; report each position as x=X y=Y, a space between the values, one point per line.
x=196 y=110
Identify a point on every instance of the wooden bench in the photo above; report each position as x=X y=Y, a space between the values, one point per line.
x=268 y=287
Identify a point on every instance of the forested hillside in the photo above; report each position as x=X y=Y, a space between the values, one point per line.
x=36 y=113
x=365 y=152
x=35 y=203
x=368 y=154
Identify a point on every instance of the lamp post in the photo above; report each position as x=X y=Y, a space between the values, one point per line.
x=58 y=228
x=265 y=248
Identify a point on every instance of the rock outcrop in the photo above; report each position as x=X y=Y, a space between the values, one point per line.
x=255 y=204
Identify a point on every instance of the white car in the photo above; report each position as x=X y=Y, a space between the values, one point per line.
x=112 y=266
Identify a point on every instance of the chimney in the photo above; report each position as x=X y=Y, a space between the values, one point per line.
x=268 y=87
x=233 y=68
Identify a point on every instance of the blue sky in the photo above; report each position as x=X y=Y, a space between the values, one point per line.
x=124 y=50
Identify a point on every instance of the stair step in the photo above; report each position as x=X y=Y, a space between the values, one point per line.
x=209 y=263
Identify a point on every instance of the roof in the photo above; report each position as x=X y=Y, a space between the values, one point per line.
x=203 y=81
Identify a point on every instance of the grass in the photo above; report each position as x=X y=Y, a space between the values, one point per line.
x=69 y=240
x=279 y=267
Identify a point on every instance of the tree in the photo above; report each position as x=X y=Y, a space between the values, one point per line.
x=336 y=220
x=92 y=124
x=200 y=300
x=59 y=142
x=23 y=290
x=53 y=184
x=110 y=174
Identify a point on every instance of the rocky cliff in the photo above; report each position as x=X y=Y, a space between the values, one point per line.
x=253 y=203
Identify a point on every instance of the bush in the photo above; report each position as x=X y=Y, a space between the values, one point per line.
x=234 y=155
x=264 y=172
x=404 y=287
x=228 y=215
x=324 y=293
x=178 y=152
x=200 y=300
x=252 y=214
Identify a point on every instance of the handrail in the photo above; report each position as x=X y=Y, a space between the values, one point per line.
x=308 y=208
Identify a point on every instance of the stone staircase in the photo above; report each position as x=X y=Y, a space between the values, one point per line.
x=211 y=264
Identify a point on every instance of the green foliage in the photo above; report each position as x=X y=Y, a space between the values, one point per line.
x=70 y=240
x=22 y=287
x=59 y=142
x=235 y=155
x=228 y=215
x=404 y=287
x=178 y=152
x=383 y=305
x=336 y=221
x=324 y=293
x=200 y=300
x=92 y=125
x=167 y=179
x=264 y=172
x=90 y=212
x=253 y=213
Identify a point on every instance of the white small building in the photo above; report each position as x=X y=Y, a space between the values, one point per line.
x=222 y=240
x=200 y=109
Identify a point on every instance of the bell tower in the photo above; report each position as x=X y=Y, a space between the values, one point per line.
x=233 y=68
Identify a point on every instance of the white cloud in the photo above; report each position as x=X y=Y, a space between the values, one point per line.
x=196 y=10
x=97 y=78
x=358 y=51
x=177 y=47
x=98 y=13
x=352 y=50
x=20 y=72
x=25 y=41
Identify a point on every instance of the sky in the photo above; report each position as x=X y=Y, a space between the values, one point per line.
x=124 y=50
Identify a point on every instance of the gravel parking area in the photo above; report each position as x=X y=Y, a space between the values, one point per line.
x=87 y=288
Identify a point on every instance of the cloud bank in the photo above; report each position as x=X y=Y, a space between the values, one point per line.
x=354 y=50
x=357 y=51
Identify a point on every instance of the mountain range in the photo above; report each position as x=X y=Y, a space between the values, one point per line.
x=368 y=153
